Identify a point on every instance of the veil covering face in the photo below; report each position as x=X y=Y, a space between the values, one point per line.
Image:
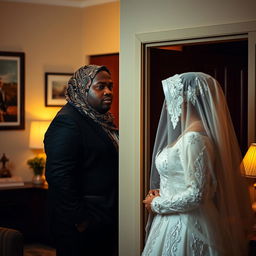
x=194 y=102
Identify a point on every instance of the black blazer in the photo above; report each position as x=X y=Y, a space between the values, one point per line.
x=82 y=172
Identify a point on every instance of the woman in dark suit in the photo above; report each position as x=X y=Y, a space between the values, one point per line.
x=81 y=145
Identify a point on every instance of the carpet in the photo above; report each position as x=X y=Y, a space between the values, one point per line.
x=38 y=250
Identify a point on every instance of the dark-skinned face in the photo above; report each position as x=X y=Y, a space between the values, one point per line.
x=100 y=94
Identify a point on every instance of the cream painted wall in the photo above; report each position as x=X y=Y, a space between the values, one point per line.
x=48 y=36
x=101 y=29
x=54 y=40
x=146 y=16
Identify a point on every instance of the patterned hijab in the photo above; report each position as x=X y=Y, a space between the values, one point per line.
x=77 y=92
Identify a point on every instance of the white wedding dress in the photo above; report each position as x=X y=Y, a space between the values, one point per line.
x=186 y=220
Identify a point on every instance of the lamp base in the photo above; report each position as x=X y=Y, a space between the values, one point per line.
x=38 y=179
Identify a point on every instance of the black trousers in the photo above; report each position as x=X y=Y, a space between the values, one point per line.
x=92 y=242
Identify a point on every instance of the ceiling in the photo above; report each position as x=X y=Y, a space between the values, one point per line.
x=73 y=3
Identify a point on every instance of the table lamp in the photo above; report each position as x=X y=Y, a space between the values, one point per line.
x=249 y=163
x=37 y=131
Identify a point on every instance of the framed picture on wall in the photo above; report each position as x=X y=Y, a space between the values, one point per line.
x=12 y=80
x=55 y=87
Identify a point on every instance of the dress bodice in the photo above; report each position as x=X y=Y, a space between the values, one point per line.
x=186 y=174
x=170 y=169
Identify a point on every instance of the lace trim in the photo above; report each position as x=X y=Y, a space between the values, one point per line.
x=199 y=248
x=173 y=88
x=191 y=95
x=174 y=237
x=175 y=95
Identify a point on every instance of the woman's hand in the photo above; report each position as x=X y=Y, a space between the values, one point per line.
x=154 y=192
x=150 y=196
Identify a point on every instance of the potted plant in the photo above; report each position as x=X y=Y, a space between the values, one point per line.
x=37 y=164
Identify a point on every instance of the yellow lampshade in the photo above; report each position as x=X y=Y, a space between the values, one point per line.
x=37 y=131
x=249 y=161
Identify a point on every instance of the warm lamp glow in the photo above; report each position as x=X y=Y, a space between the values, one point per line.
x=249 y=161
x=37 y=131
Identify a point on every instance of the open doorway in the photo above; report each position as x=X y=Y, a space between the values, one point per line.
x=226 y=60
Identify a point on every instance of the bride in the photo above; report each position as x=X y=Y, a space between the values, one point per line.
x=198 y=203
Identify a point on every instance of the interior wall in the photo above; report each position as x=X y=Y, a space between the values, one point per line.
x=101 y=25
x=46 y=35
x=147 y=16
x=54 y=40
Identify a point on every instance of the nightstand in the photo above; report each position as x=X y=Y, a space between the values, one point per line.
x=25 y=208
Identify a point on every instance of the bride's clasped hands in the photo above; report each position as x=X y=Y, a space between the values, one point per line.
x=150 y=196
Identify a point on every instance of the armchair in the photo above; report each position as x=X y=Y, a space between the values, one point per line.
x=11 y=242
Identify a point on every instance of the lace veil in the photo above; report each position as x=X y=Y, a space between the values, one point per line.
x=194 y=102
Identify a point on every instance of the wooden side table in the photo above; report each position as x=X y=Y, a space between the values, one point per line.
x=252 y=246
x=25 y=208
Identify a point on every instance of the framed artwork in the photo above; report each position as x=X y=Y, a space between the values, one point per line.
x=55 y=87
x=12 y=92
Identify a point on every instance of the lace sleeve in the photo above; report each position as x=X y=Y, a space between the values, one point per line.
x=194 y=162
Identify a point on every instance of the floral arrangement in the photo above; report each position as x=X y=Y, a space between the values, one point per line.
x=37 y=164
